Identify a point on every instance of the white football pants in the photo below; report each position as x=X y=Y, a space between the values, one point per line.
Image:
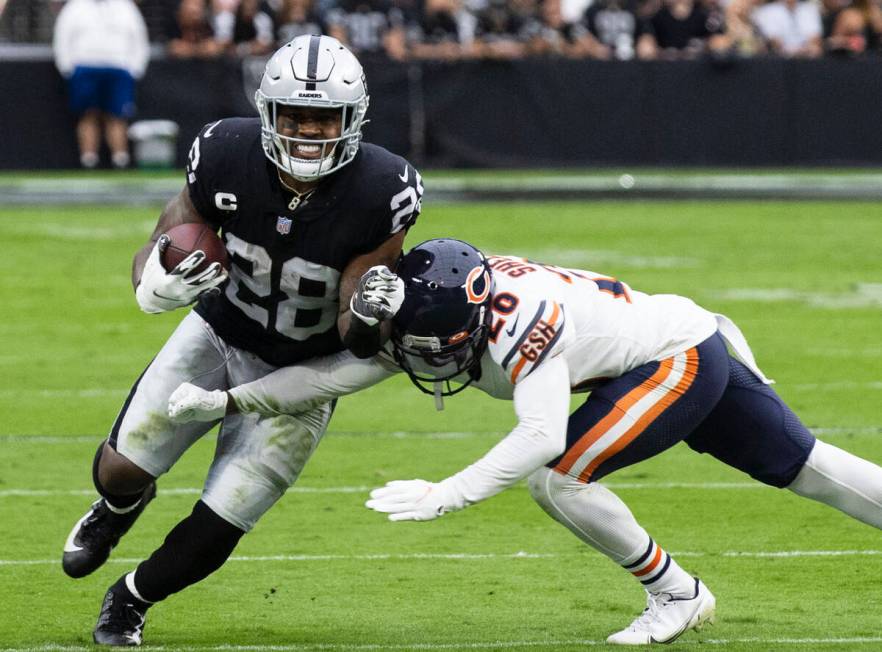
x=256 y=459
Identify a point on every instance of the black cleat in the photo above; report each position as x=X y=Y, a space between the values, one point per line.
x=121 y=621
x=93 y=537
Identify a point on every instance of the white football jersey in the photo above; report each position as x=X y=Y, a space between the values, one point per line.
x=601 y=327
x=553 y=331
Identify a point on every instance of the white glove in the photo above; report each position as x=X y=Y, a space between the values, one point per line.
x=413 y=500
x=379 y=295
x=160 y=291
x=191 y=403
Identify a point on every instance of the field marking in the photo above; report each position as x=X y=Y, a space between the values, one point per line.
x=837 y=385
x=594 y=258
x=175 y=491
x=480 y=556
x=399 y=434
x=860 y=295
x=366 y=647
x=104 y=392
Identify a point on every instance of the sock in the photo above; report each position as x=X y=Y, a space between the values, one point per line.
x=89 y=160
x=118 y=504
x=121 y=588
x=129 y=580
x=599 y=518
x=120 y=159
x=842 y=480
x=195 y=548
x=659 y=573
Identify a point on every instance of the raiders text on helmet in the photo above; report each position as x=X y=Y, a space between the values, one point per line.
x=317 y=72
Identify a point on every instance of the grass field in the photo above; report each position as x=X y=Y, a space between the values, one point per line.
x=320 y=572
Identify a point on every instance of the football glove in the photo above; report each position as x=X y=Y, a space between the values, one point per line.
x=191 y=403
x=413 y=500
x=379 y=295
x=160 y=291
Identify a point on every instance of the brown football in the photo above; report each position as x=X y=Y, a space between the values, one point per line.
x=187 y=238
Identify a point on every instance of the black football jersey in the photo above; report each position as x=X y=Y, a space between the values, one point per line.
x=281 y=301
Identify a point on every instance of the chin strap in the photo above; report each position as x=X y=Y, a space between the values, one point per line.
x=439 y=399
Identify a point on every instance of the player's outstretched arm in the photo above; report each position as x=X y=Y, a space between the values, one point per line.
x=159 y=290
x=375 y=294
x=289 y=390
x=542 y=402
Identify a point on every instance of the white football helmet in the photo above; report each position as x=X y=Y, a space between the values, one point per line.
x=312 y=71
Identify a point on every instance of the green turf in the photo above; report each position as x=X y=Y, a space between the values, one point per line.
x=73 y=341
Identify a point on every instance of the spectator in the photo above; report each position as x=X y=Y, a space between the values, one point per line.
x=856 y=28
x=101 y=47
x=505 y=28
x=792 y=28
x=616 y=27
x=369 y=26
x=682 y=29
x=194 y=36
x=560 y=37
x=742 y=38
x=249 y=30
x=444 y=30
x=297 y=18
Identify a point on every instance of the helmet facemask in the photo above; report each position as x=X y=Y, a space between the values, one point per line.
x=312 y=72
x=431 y=361
x=440 y=333
x=335 y=152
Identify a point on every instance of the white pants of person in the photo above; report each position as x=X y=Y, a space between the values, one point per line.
x=257 y=458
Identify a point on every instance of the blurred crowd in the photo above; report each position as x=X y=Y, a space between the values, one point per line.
x=511 y=29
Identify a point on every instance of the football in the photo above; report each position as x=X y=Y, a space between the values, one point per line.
x=184 y=239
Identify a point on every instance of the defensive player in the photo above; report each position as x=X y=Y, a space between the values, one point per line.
x=305 y=209
x=658 y=370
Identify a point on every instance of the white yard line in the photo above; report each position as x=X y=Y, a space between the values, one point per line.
x=27 y=493
x=469 y=556
x=550 y=643
x=399 y=434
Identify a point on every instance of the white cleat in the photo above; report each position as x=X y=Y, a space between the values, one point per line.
x=666 y=617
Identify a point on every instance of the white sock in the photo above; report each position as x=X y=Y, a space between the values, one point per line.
x=122 y=510
x=599 y=518
x=120 y=159
x=89 y=159
x=842 y=480
x=657 y=571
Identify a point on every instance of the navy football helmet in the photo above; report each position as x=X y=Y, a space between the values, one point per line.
x=440 y=332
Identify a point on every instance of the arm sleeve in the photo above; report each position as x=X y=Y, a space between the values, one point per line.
x=296 y=389
x=542 y=402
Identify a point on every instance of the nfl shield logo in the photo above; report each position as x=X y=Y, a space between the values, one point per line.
x=283 y=225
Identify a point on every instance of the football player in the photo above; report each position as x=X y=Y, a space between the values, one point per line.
x=659 y=371
x=304 y=208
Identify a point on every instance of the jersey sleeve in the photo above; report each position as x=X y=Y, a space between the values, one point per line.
x=297 y=389
x=398 y=193
x=205 y=166
x=522 y=340
x=542 y=405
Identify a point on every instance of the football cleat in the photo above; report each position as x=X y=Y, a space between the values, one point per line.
x=121 y=621
x=93 y=537
x=666 y=617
